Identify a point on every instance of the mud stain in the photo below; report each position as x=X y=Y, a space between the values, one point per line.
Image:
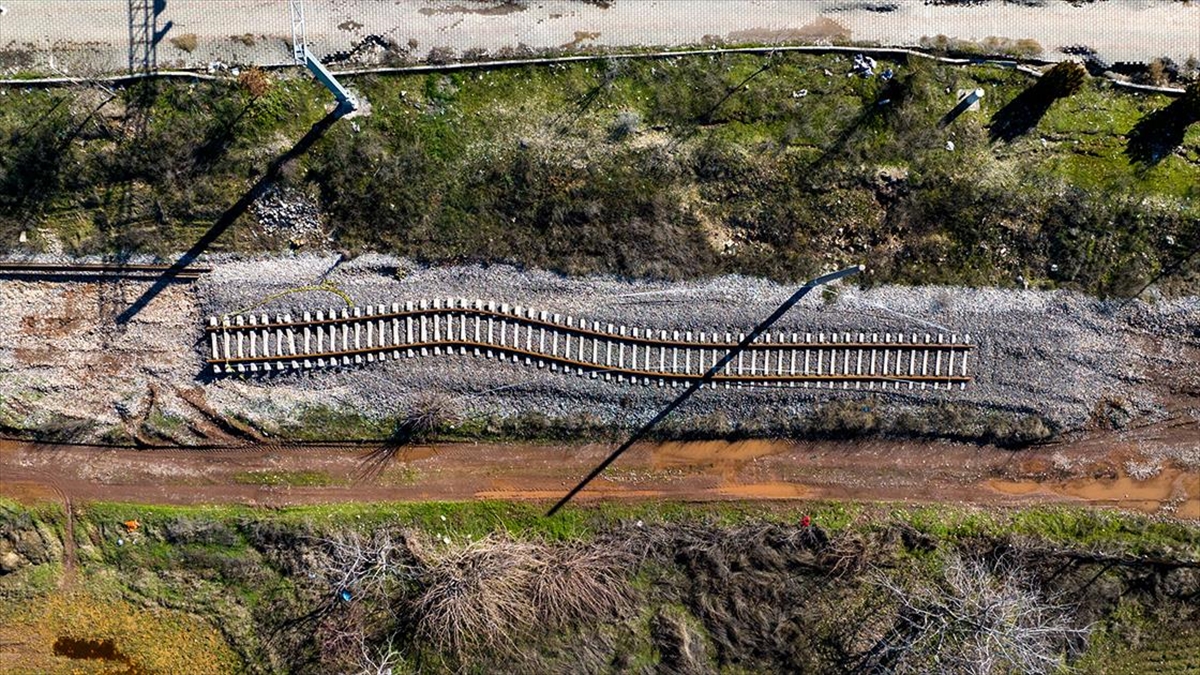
x=1172 y=488
x=772 y=490
x=580 y=37
x=502 y=9
x=97 y=650
x=821 y=29
x=28 y=492
x=721 y=457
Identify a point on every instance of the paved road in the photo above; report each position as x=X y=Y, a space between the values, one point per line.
x=91 y=36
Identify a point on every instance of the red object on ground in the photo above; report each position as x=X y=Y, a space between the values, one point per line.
x=805 y=521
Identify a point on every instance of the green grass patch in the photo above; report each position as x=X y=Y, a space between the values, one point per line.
x=271 y=478
x=639 y=168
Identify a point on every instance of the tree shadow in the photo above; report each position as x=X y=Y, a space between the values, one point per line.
x=1023 y=113
x=1156 y=135
x=231 y=214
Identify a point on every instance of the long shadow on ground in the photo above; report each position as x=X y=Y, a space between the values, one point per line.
x=1156 y=135
x=230 y=215
x=1022 y=113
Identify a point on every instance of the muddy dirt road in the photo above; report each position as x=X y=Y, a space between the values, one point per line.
x=1155 y=469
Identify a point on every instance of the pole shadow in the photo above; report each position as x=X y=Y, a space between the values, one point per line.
x=956 y=111
x=231 y=214
x=704 y=379
x=144 y=34
x=1156 y=135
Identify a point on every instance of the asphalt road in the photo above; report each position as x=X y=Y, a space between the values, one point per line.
x=95 y=36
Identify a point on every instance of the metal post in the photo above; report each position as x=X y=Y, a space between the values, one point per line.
x=298 y=39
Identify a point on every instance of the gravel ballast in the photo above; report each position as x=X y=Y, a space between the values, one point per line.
x=1058 y=355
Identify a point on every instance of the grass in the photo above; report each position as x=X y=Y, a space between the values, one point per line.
x=238 y=568
x=269 y=478
x=525 y=165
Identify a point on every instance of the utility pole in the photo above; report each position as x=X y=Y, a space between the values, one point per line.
x=347 y=102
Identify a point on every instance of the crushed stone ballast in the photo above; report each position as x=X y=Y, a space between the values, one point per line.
x=353 y=336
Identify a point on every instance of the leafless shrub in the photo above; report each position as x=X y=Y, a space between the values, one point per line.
x=489 y=594
x=367 y=564
x=477 y=596
x=626 y=125
x=426 y=416
x=440 y=56
x=579 y=582
x=979 y=619
x=255 y=81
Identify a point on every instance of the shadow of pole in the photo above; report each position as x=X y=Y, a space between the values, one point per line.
x=231 y=214
x=704 y=379
x=144 y=34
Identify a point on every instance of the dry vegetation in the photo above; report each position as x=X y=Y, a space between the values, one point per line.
x=485 y=587
x=671 y=168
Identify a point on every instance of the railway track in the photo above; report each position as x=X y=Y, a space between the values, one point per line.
x=22 y=270
x=348 y=337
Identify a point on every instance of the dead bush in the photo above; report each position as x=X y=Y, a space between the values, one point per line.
x=187 y=42
x=978 y=618
x=490 y=594
x=255 y=82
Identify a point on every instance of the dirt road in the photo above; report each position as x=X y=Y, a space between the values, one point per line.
x=92 y=36
x=1154 y=469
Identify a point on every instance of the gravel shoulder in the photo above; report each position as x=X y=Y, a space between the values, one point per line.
x=1073 y=360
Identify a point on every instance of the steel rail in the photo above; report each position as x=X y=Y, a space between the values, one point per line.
x=587 y=367
x=559 y=327
x=95 y=269
x=253 y=343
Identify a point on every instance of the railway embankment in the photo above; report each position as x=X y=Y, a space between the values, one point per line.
x=1040 y=362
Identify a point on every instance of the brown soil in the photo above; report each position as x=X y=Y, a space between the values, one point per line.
x=1089 y=470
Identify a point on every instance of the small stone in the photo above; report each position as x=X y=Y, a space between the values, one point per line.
x=10 y=562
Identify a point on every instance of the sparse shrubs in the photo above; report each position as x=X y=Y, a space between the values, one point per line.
x=844 y=419
x=626 y=125
x=1024 y=48
x=186 y=42
x=487 y=596
x=1064 y=79
x=255 y=82
x=979 y=619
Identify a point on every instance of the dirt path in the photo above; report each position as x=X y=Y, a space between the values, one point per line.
x=95 y=36
x=1154 y=470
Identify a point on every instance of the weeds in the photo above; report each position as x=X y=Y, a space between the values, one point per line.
x=526 y=166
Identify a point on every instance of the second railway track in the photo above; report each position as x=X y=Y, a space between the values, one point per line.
x=261 y=343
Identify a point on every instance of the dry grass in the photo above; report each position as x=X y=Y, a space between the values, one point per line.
x=491 y=593
x=187 y=42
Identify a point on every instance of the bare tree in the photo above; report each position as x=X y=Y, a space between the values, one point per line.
x=980 y=620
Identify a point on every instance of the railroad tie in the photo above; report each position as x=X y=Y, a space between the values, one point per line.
x=562 y=343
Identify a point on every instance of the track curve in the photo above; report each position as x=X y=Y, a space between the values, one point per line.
x=261 y=343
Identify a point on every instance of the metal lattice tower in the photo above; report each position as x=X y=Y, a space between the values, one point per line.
x=141 y=36
x=298 y=44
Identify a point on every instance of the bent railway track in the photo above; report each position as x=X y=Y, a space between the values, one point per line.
x=260 y=343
